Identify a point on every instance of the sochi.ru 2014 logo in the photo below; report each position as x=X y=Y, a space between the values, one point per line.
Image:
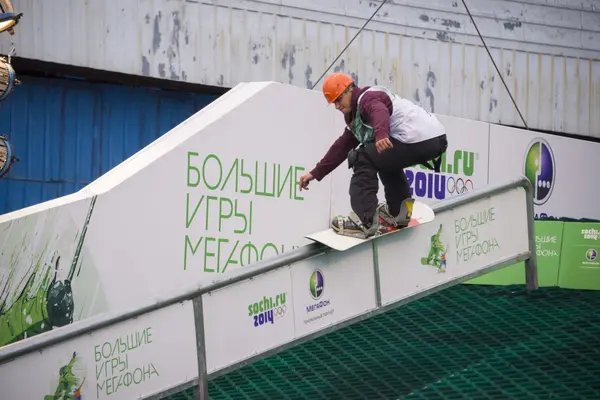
x=540 y=168
x=268 y=310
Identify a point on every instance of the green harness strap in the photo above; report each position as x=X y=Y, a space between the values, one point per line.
x=365 y=133
x=361 y=131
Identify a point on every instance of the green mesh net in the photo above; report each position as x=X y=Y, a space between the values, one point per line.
x=467 y=342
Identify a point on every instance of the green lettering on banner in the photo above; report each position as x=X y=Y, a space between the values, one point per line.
x=247 y=176
x=224 y=203
x=468 y=242
x=548 y=241
x=272 y=180
x=288 y=176
x=201 y=209
x=191 y=169
x=220 y=172
x=297 y=182
x=264 y=192
x=188 y=218
x=219 y=253
x=211 y=212
x=113 y=369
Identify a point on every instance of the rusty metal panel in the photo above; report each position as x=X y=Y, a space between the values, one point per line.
x=547 y=50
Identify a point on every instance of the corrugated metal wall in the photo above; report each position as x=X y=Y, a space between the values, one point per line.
x=69 y=132
x=548 y=50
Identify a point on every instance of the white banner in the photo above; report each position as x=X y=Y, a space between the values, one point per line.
x=222 y=199
x=333 y=288
x=132 y=359
x=560 y=170
x=457 y=243
x=248 y=318
x=464 y=165
x=254 y=316
x=215 y=194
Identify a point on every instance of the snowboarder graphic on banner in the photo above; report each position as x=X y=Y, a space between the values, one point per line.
x=384 y=134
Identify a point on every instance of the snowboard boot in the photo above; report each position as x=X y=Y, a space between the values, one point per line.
x=353 y=227
x=403 y=218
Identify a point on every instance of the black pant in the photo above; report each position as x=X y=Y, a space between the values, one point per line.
x=367 y=163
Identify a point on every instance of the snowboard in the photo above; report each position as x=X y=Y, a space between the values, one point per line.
x=421 y=214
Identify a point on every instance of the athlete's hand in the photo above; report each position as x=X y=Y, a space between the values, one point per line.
x=304 y=180
x=383 y=144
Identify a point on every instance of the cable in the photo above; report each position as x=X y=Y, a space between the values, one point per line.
x=495 y=66
x=478 y=33
x=349 y=43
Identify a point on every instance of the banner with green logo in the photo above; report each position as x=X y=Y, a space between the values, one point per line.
x=580 y=265
x=553 y=166
x=548 y=240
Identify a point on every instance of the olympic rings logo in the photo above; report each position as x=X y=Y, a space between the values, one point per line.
x=458 y=186
x=279 y=312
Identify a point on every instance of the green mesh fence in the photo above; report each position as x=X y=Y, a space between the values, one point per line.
x=467 y=342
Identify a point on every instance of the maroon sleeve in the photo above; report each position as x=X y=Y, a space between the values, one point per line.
x=336 y=154
x=375 y=110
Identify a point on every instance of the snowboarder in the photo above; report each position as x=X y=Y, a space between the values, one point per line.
x=393 y=134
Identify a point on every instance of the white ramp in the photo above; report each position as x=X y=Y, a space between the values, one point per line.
x=205 y=199
x=169 y=234
x=215 y=194
x=167 y=345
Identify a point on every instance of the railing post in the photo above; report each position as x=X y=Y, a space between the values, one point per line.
x=202 y=388
x=377 y=277
x=531 y=270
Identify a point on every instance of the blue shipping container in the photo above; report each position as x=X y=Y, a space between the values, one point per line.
x=69 y=132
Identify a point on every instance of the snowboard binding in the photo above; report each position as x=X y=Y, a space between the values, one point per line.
x=383 y=222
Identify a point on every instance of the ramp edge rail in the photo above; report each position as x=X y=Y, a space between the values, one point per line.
x=194 y=294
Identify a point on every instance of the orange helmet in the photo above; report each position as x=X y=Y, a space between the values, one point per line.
x=335 y=84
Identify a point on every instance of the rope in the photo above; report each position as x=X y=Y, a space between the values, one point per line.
x=495 y=66
x=349 y=43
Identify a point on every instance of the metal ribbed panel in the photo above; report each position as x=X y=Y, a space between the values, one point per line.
x=68 y=132
x=548 y=50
